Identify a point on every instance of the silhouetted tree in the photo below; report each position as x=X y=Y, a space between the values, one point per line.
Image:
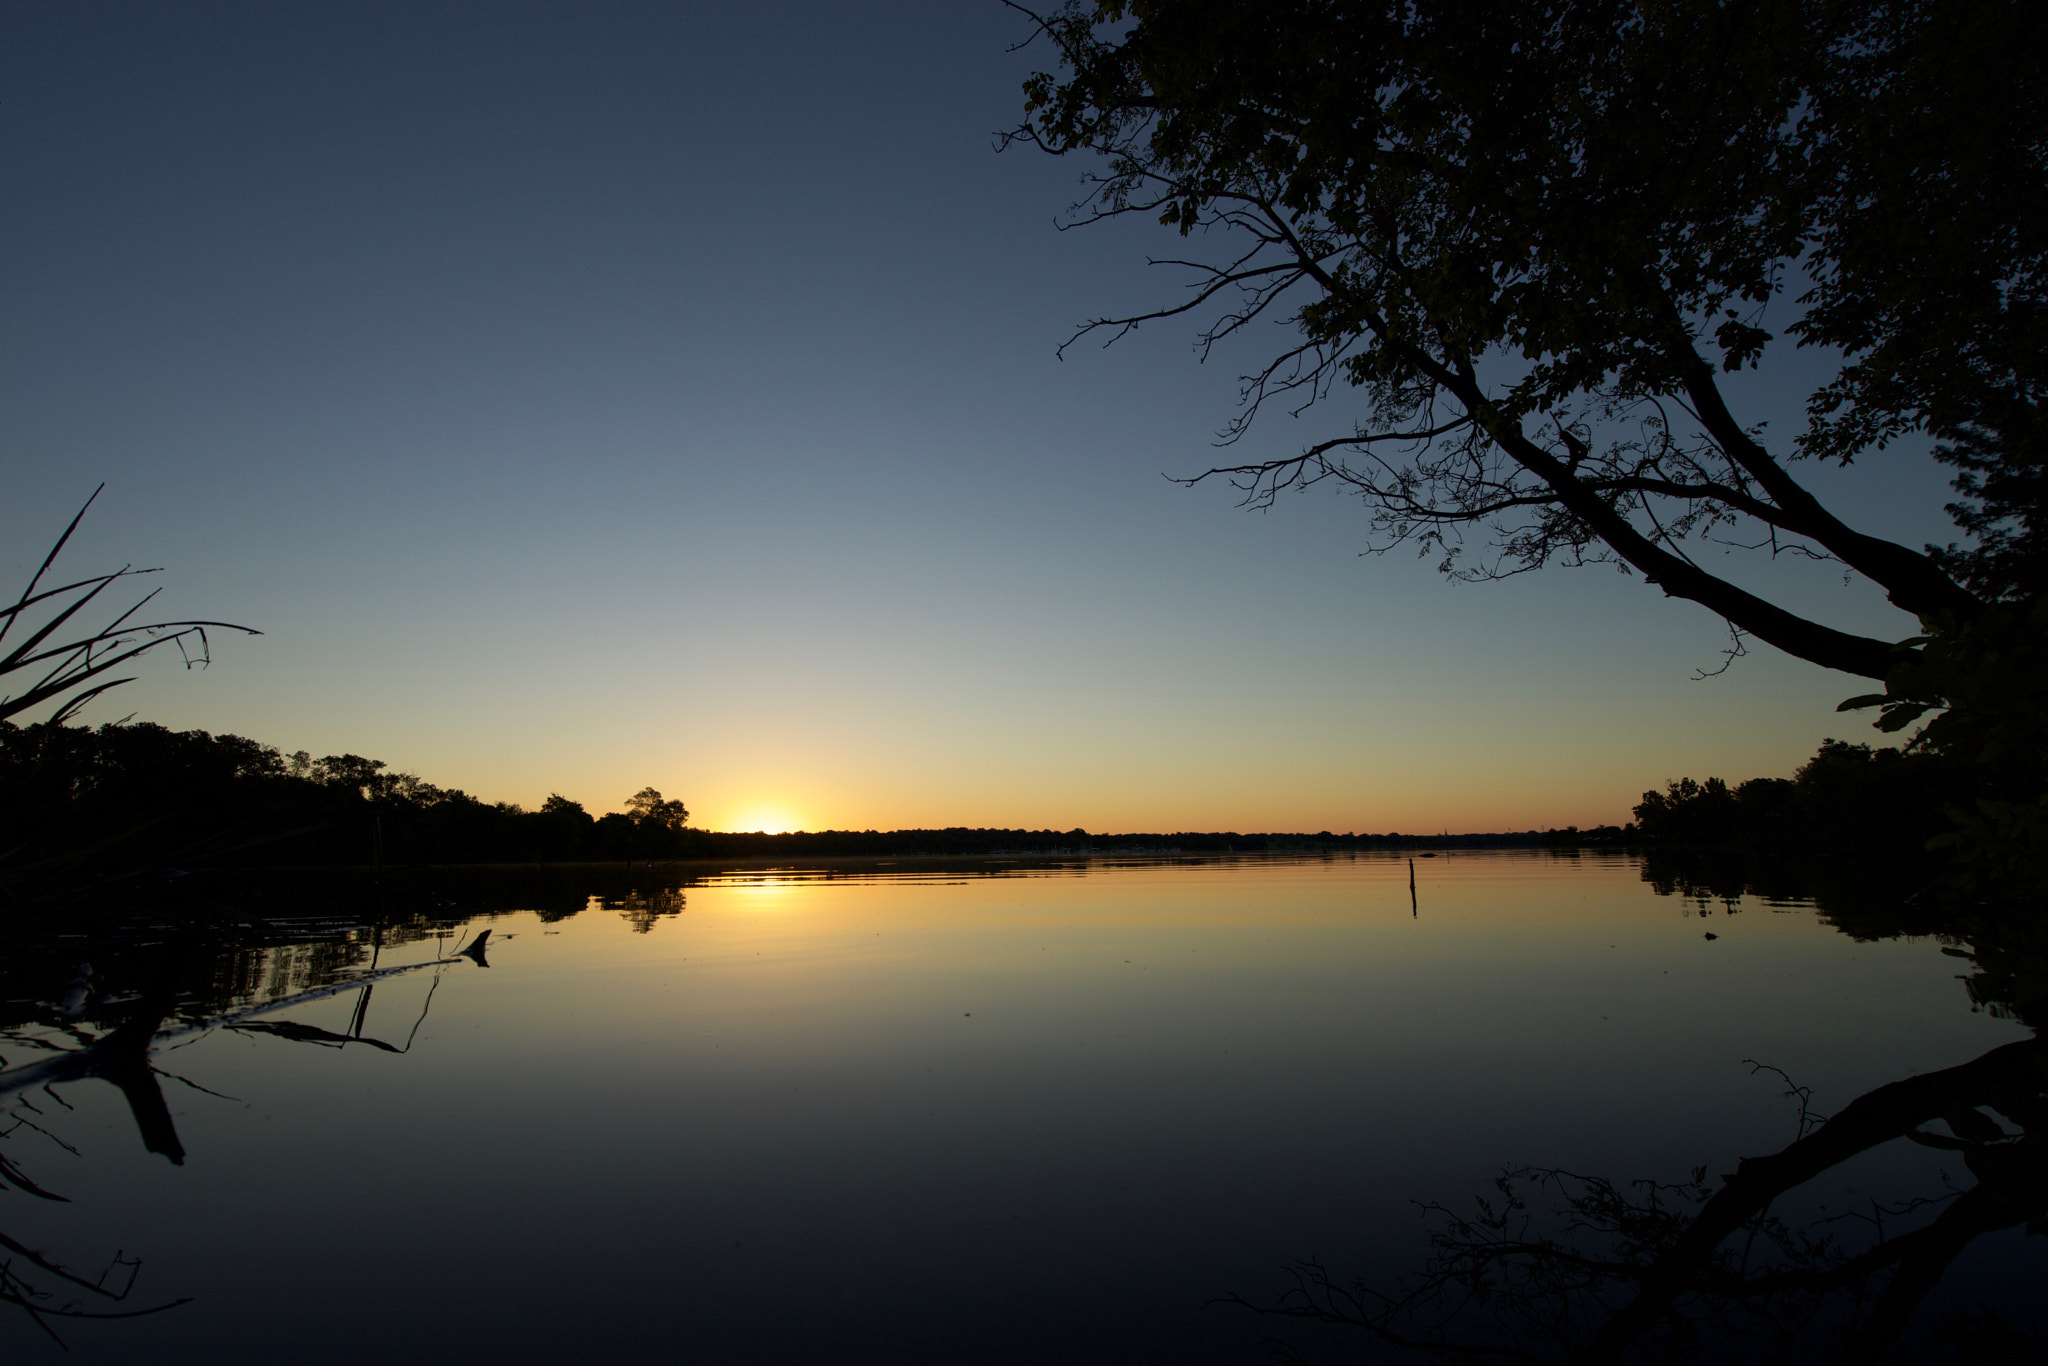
x=568 y=825
x=649 y=806
x=1534 y=236
x=2003 y=483
x=351 y=773
x=1847 y=799
x=1982 y=686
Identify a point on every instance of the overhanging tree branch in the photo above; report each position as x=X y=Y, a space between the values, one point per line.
x=1506 y=293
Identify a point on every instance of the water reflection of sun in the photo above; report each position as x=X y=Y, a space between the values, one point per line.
x=755 y=890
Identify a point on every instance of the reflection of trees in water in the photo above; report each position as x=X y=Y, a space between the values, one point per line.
x=267 y=972
x=47 y=1289
x=282 y=959
x=218 y=954
x=231 y=965
x=271 y=936
x=643 y=910
x=1555 y=1266
x=41 y=1285
x=44 y=1287
x=2007 y=948
x=1712 y=877
x=177 y=988
x=1560 y=1267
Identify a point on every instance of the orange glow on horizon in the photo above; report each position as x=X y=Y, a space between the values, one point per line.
x=767 y=820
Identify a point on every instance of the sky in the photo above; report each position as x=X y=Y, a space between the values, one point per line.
x=583 y=398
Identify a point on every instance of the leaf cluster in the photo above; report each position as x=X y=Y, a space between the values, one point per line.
x=1981 y=687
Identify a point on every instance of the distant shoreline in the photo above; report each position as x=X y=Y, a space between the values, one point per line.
x=763 y=851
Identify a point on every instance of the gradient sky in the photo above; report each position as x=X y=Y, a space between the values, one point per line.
x=586 y=397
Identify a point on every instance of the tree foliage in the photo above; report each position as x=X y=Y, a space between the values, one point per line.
x=130 y=798
x=1981 y=688
x=1848 y=799
x=648 y=805
x=1534 y=237
x=2002 y=481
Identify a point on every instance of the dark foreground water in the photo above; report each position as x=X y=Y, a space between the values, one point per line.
x=899 y=1114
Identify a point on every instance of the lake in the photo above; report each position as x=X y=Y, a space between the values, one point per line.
x=1019 y=1112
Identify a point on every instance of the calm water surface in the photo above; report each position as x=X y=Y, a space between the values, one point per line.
x=909 y=1115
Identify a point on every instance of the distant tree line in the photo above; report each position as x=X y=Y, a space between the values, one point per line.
x=126 y=798
x=985 y=841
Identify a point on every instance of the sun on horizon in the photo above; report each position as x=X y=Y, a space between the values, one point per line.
x=766 y=820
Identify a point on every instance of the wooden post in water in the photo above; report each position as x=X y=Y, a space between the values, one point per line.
x=1414 y=909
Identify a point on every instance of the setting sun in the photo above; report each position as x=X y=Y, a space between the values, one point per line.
x=769 y=820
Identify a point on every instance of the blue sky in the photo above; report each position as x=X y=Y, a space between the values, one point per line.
x=584 y=397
